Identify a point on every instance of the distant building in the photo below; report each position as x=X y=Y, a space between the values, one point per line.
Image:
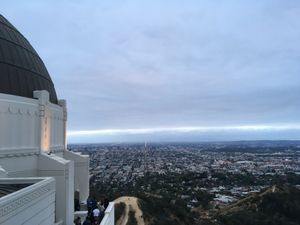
x=39 y=177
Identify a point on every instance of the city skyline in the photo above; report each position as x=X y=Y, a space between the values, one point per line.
x=149 y=70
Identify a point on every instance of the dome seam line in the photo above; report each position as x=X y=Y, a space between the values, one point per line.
x=11 y=27
x=12 y=42
x=24 y=68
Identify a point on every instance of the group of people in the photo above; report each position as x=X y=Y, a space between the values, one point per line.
x=95 y=212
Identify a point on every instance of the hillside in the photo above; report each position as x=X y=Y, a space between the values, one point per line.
x=151 y=210
x=277 y=205
x=130 y=212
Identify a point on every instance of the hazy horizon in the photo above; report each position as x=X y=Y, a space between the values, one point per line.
x=188 y=136
x=174 y=142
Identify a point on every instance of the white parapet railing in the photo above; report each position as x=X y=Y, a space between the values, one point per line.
x=109 y=217
x=33 y=204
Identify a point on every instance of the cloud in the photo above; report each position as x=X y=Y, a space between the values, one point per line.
x=138 y=64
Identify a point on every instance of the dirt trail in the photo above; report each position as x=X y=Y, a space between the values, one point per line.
x=133 y=203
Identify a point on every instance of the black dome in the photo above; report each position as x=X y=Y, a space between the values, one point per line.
x=21 y=69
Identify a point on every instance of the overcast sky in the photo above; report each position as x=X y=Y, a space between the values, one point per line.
x=172 y=69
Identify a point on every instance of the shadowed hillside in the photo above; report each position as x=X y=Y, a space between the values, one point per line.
x=275 y=206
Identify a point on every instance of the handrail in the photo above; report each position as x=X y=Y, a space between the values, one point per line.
x=109 y=218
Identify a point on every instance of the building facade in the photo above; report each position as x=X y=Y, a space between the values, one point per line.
x=38 y=175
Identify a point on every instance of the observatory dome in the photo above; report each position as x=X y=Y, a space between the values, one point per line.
x=21 y=69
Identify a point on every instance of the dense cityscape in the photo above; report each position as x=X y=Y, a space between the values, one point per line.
x=192 y=175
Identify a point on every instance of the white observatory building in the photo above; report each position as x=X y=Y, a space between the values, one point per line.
x=39 y=177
